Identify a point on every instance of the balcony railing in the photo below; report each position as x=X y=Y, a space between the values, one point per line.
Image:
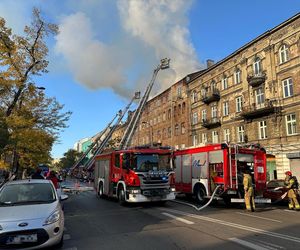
x=256 y=79
x=211 y=96
x=258 y=110
x=211 y=123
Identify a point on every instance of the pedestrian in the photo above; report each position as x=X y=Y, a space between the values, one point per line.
x=52 y=177
x=37 y=174
x=249 y=191
x=291 y=184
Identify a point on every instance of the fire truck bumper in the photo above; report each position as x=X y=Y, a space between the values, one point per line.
x=143 y=198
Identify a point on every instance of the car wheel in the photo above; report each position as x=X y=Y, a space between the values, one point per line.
x=121 y=196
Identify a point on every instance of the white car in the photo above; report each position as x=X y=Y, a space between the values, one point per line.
x=31 y=215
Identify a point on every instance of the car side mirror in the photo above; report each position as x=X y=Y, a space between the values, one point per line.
x=64 y=197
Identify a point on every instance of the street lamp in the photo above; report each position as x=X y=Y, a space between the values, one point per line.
x=150 y=132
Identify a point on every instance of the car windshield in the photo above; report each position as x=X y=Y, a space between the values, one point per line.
x=275 y=184
x=150 y=162
x=27 y=193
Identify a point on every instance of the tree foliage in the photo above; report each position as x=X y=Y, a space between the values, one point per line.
x=69 y=158
x=30 y=122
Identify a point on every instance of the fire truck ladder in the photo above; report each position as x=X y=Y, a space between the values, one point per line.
x=128 y=134
x=107 y=137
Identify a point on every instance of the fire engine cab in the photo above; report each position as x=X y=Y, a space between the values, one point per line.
x=139 y=174
x=199 y=170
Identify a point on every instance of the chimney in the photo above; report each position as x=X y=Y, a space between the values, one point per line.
x=209 y=63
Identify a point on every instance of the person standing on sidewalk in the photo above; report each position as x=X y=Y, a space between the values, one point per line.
x=292 y=186
x=249 y=191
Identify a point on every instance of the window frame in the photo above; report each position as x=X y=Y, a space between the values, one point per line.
x=291 y=124
x=262 y=130
x=287 y=84
x=283 y=53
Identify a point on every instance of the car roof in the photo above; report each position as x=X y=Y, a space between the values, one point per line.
x=26 y=181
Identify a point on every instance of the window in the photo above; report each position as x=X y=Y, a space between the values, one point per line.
x=176 y=129
x=225 y=82
x=169 y=114
x=183 y=107
x=240 y=134
x=291 y=124
x=204 y=117
x=213 y=86
x=237 y=76
x=259 y=97
x=195 y=140
x=195 y=118
x=262 y=129
x=238 y=104
x=164 y=133
x=287 y=86
x=169 y=132
x=182 y=128
x=179 y=91
x=194 y=96
x=204 y=138
x=257 y=66
x=215 y=137
x=227 y=135
x=214 y=111
x=225 y=108
x=283 y=53
x=164 y=116
x=117 y=160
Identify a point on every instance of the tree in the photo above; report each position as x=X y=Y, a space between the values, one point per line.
x=30 y=122
x=70 y=158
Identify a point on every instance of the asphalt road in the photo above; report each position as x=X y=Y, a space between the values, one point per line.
x=94 y=223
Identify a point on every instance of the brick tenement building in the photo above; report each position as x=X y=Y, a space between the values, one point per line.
x=251 y=96
x=166 y=117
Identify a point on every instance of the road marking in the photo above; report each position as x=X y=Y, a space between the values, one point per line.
x=271 y=245
x=263 y=218
x=234 y=225
x=70 y=248
x=179 y=219
x=67 y=236
x=248 y=244
x=291 y=211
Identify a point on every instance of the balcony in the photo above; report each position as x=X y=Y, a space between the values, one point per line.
x=256 y=79
x=211 y=96
x=258 y=110
x=211 y=123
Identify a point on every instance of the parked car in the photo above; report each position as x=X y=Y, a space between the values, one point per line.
x=31 y=215
x=275 y=189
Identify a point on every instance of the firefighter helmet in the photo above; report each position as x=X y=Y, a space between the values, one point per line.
x=288 y=173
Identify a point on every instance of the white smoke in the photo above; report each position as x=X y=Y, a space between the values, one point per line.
x=147 y=32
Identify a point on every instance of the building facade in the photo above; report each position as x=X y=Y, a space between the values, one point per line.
x=250 y=97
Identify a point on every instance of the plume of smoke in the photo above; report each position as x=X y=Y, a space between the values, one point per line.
x=151 y=30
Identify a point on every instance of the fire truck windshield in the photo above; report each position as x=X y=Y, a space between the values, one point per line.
x=150 y=162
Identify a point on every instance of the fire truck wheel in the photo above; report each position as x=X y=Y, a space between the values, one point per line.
x=101 y=190
x=200 y=193
x=121 y=196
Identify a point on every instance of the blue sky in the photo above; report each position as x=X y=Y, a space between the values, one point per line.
x=107 y=49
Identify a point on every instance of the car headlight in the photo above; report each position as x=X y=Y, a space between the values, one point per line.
x=54 y=217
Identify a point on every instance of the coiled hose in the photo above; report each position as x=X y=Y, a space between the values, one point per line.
x=204 y=206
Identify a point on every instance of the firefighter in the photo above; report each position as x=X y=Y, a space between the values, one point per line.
x=291 y=185
x=249 y=192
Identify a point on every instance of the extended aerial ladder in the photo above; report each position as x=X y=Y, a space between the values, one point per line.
x=100 y=141
x=128 y=134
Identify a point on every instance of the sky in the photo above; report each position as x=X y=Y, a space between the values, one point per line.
x=107 y=49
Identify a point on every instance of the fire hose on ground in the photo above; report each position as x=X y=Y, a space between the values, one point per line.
x=204 y=206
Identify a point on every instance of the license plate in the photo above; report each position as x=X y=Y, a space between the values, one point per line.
x=19 y=239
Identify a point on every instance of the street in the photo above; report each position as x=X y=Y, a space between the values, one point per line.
x=94 y=223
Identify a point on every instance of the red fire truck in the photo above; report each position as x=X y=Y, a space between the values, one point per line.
x=139 y=174
x=199 y=170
